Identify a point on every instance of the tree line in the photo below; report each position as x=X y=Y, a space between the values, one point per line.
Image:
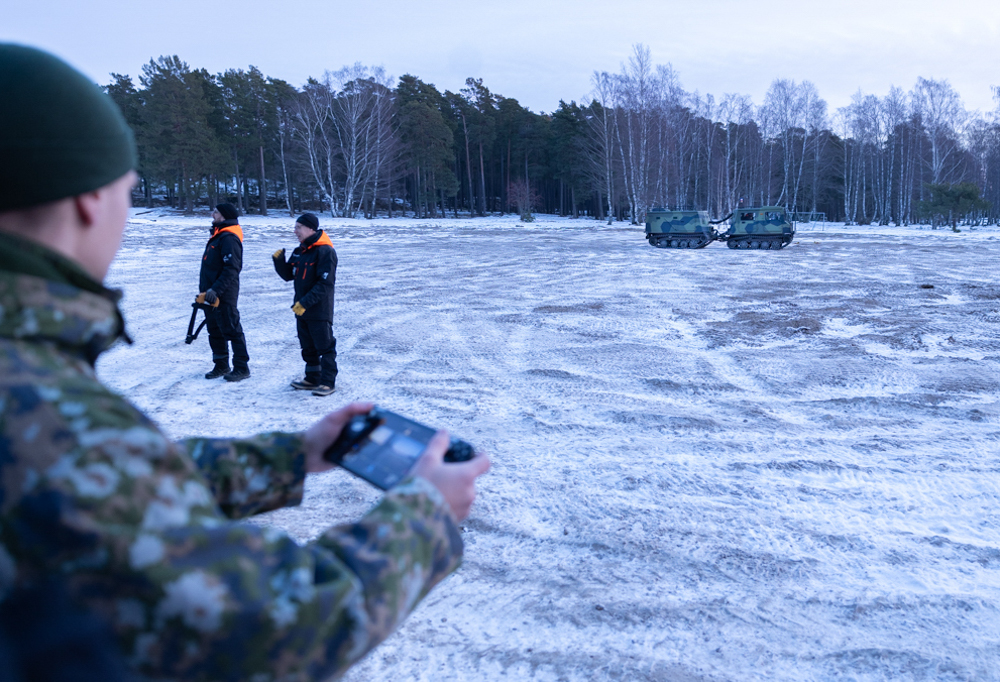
x=358 y=142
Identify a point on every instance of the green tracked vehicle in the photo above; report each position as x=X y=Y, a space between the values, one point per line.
x=678 y=229
x=767 y=227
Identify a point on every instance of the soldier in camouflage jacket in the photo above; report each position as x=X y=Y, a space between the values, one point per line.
x=145 y=533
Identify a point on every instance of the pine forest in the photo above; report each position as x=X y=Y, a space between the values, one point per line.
x=357 y=142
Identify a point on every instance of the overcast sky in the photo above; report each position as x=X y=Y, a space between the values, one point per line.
x=540 y=51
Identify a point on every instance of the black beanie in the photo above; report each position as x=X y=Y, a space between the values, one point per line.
x=228 y=211
x=309 y=220
x=60 y=135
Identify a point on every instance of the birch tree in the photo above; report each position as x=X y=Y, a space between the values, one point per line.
x=603 y=131
x=637 y=99
x=735 y=113
x=313 y=128
x=351 y=110
x=942 y=114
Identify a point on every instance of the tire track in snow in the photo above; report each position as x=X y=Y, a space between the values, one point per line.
x=845 y=529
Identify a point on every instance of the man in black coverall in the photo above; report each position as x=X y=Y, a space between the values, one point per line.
x=313 y=267
x=220 y=281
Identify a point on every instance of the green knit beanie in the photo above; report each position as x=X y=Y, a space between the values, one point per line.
x=60 y=135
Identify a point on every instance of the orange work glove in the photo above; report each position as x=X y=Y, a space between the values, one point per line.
x=202 y=297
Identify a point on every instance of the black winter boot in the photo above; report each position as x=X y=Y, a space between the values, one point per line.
x=238 y=374
x=219 y=371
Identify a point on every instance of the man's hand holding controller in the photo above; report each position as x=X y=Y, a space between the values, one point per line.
x=456 y=481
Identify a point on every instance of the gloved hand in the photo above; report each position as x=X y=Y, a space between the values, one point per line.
x=211 y=297
x=298 y=309
x=279 y=254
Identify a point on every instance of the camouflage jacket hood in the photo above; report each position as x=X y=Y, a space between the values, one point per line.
x=45 y=298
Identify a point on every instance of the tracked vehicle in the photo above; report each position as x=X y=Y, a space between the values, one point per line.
x=678 y=229
x=767 y=227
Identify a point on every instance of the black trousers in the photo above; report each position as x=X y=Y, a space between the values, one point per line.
x=224 y=328
x=319 y=350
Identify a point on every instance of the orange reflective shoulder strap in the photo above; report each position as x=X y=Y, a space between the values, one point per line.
x=232 y=229
x=324 y=240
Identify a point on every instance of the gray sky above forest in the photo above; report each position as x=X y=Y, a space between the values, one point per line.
x=540 y=51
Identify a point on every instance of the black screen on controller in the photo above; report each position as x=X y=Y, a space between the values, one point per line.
x=389 y=452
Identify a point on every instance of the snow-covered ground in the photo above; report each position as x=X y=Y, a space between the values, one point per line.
x=707 y=464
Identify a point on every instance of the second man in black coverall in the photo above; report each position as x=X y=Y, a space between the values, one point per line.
x=313 y=268
x=220 y=281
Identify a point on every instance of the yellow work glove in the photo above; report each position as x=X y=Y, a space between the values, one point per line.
x=280 y=253
x=298 y=309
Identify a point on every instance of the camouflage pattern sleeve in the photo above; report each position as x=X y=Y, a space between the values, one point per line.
x=253 y=475
x=92 y=492
x=128 y=518
x=397 y=553
x=239 y=602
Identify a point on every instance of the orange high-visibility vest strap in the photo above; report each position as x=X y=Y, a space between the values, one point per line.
x=324 y=240
x=234 y=229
